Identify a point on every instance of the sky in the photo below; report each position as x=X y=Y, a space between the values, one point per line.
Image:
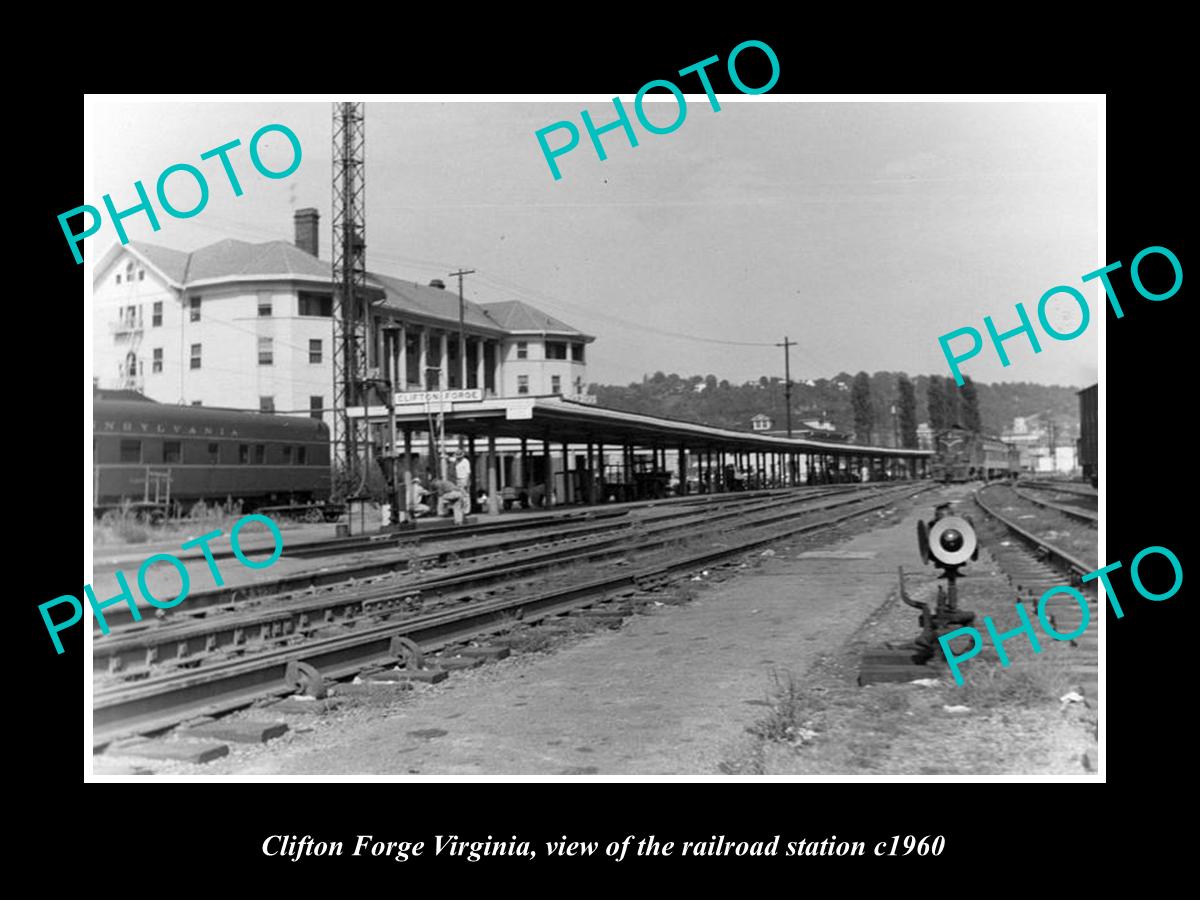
x=861 y=231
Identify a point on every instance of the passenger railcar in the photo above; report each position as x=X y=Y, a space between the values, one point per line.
x=961 y=455
x=1089 y=450
x=167 y=457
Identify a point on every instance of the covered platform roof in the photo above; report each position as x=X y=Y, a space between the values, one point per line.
x=564 y=421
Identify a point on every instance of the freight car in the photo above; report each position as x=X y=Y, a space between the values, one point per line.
x=1089 y=459
x=961 y=455
x=161 y=459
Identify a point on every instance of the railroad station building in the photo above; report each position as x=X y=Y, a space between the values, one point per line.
x=250 y=326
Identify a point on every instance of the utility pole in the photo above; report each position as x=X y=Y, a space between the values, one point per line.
x=1052 y=439
x=787 y=379
x=462 y=329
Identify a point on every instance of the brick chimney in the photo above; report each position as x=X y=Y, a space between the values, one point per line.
x=308 y=230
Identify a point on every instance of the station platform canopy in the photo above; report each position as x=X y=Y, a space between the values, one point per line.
x=554 y=419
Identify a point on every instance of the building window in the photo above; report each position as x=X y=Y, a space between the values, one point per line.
x=172 y=452
x=287 y=454
x=266 y=351
x=314 y=350
x=264 y=306
x=522 y=350
x=556 y=350
x=194 y=307
x=195 y=356
x=302 y=456
x=118 y=278
x=522 y=384
x=556 y=384
x=141 y=274
x=316 y=407
x=243 y=454
x=577 y=352
x=315 y=304
x=214 y=453
x=266 y=404
x=131 y=451
x=156 y=315
x=260 y=454
x=156 y=363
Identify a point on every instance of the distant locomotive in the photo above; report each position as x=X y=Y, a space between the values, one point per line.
x=1088 y=428
x=961 y=455
x=162 y=458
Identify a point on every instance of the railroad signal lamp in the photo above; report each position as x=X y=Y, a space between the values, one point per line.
x=951 y=541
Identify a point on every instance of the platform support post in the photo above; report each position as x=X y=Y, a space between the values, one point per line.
x=493 y=476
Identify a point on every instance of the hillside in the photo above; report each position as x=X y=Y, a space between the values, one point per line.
x=711 y=401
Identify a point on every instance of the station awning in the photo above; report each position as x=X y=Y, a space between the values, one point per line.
x=564 y=421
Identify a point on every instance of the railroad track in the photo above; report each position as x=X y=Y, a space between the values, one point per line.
x=134 y=650
x=1033 y=566
x=435 y=529
x=165 y=700
x=1074 y=512
x=389 y=559
x=1064 y=487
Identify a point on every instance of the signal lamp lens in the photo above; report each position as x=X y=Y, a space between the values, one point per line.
x=952 y=540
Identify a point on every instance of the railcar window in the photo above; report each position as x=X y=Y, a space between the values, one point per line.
x=301 y=456
x=260 y=454
x=172 y=452
x=243 y=454
x=214 y=453
x=287 y=455
x=131 y=451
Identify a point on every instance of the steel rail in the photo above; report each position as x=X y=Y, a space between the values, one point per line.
x=1075 y=512
x=1063 y=487
x=164 y=701
x=198 y=603
x=1076 y=566
x=136 y=644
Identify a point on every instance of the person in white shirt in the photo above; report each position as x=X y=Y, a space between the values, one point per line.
x=462 y=470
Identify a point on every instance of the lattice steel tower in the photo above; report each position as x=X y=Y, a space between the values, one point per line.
x=350 y=316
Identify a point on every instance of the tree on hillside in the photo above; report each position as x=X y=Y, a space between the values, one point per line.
x=953 y=408
x=860 y=400
x=970 y=407
x=906 y=409
x=936 y=398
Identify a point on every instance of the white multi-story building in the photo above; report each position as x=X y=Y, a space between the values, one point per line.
x=250 y=326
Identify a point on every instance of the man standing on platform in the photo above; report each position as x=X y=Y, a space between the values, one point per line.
x=462 y=471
